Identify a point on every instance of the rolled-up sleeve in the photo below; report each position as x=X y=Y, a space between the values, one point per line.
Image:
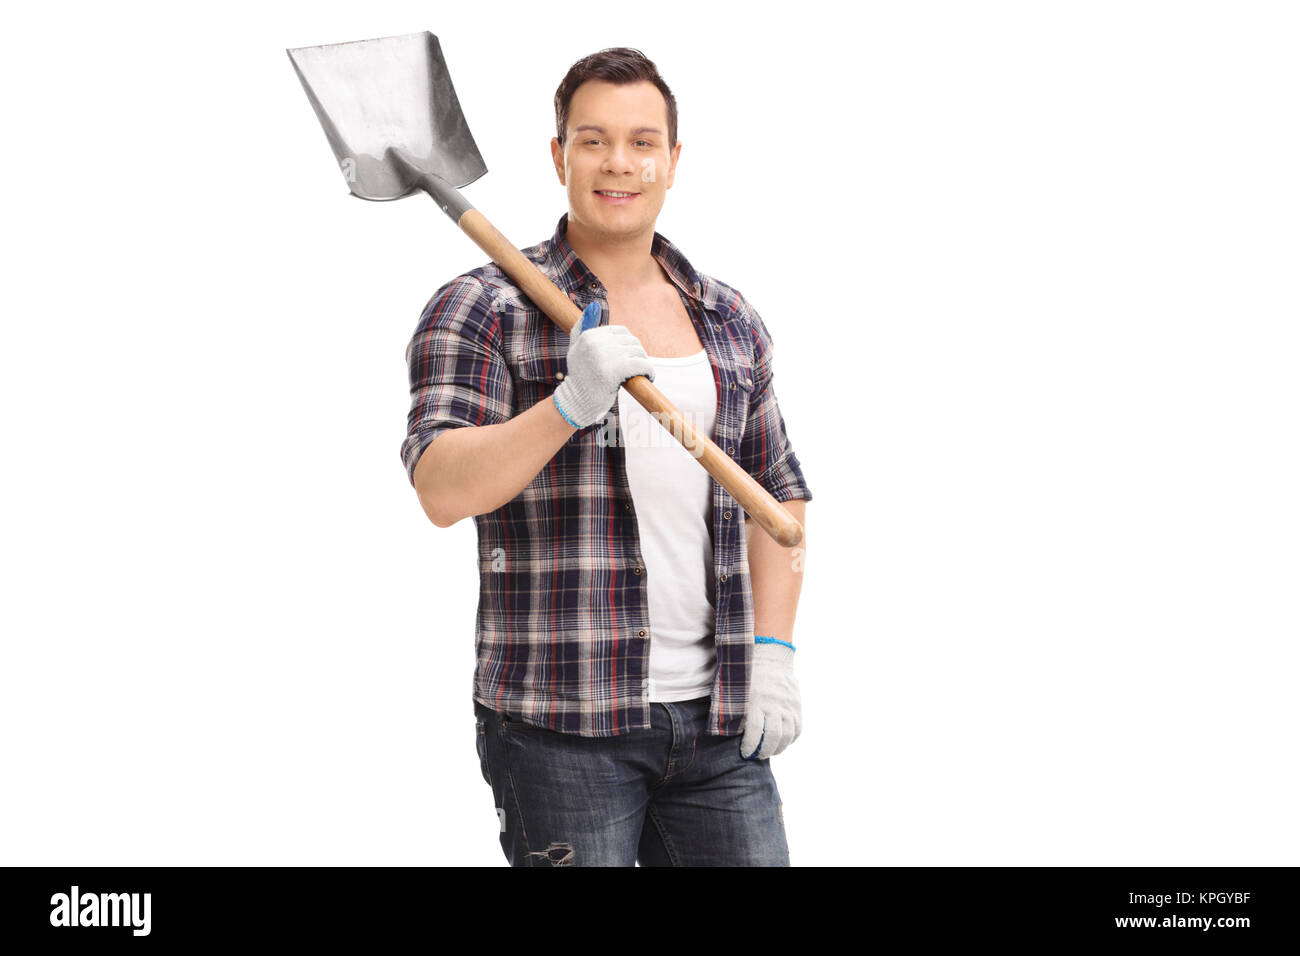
x=457 y=372
x=765 y=448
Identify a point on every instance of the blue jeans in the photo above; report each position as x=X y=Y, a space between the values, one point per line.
x=668 y=796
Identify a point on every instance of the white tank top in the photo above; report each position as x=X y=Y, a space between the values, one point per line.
x=670 y=492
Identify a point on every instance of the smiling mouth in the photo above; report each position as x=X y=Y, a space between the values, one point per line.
x=615 y=194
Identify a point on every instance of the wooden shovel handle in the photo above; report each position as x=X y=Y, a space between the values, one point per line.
x=753 y=497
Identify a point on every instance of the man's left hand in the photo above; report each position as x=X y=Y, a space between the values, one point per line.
x=773 y=718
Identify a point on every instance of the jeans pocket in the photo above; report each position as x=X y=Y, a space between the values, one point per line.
x=481 y=744
x=509 y=726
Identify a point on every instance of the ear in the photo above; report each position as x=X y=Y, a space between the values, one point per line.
x=557 y=157
x=672 y=163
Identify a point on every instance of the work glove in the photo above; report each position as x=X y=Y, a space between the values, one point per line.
x=773 y=717
x=600 y=359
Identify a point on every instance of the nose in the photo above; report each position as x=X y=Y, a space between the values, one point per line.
x=618 y=161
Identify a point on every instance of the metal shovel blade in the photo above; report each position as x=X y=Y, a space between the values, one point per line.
x=390 y=93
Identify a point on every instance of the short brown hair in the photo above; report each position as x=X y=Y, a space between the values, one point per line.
x=619 y=65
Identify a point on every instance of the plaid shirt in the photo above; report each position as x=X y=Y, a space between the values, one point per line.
x=563 y=631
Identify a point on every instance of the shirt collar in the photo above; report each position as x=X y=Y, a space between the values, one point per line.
x=570 y=272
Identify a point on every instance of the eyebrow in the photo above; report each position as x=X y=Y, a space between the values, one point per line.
x=636 y=132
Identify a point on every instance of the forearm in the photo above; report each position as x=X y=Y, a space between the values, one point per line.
x=776 y=575
x=471 y=471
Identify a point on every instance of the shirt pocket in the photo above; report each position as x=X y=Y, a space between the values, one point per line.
x=738 y=398
x=536 y=372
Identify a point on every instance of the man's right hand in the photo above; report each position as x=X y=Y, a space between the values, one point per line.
x=600 y=359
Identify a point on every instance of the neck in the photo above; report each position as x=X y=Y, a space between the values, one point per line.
x=622 y=263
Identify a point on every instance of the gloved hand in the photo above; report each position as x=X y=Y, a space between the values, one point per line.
x=773 y=717
x=600 y=359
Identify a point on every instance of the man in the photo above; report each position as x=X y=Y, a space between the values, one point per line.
x=630 y=684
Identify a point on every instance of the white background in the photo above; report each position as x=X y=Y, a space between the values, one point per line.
x=1031 y=273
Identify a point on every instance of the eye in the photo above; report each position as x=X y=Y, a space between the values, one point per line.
x=588 y=142
x=646 y=141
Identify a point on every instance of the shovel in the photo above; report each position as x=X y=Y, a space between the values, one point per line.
x=391 y=115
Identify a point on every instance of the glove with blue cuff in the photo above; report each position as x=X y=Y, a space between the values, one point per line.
x=600 y=359
x=773 y=716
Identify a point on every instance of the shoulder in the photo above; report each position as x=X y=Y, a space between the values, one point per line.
x=484 y=293
x=723 y=297
x=461 y=310
x=731 y=304
x=488 y=288
x=500 y=289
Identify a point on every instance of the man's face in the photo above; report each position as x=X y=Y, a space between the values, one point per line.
x=616 y=140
